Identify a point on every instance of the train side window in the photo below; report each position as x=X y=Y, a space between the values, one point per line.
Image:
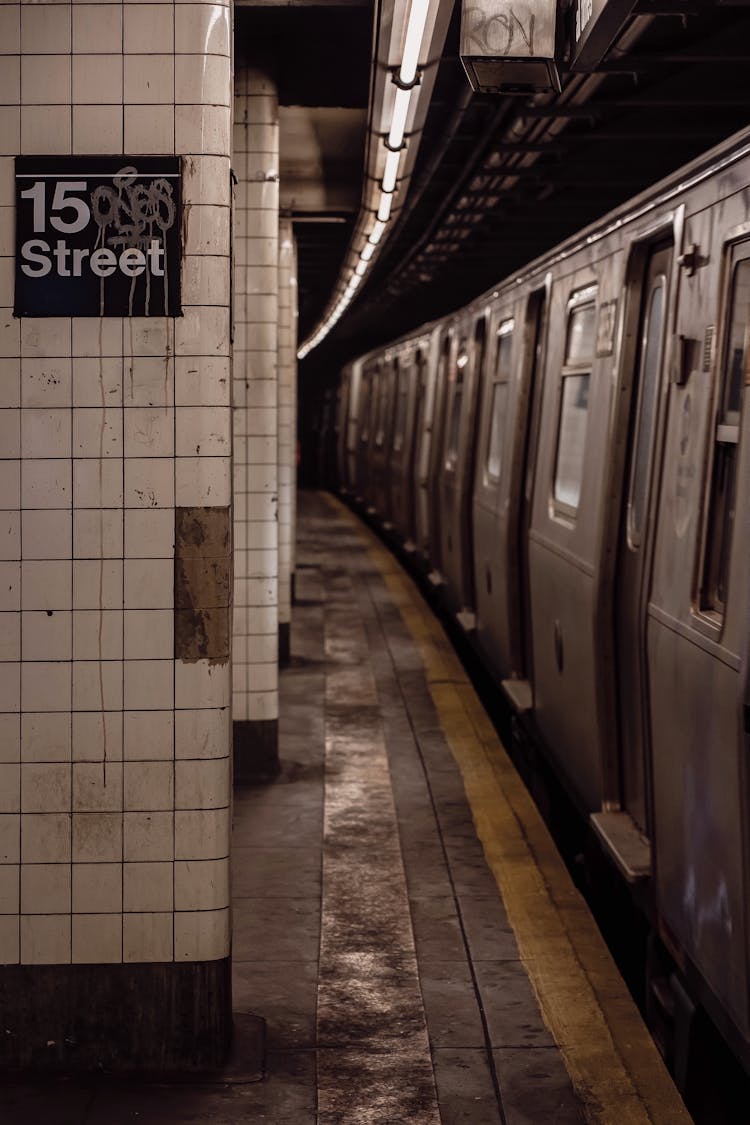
x=722 y=499
x=367 y=407
x=574 y=399
x=453 y=428
x=499 y=401
x=651 y=352
x=402 y=404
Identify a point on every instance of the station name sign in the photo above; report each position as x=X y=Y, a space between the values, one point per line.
x=98 y=236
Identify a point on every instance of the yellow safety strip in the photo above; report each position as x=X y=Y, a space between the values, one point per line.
x=612 y=1060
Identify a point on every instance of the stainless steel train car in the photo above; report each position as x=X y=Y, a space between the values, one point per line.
x=569 y=459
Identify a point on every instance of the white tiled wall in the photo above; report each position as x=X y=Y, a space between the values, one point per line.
x=255 y=414
x=287 y=411
x=114 y=767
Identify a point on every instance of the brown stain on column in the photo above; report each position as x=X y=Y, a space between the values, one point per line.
x=202 y=585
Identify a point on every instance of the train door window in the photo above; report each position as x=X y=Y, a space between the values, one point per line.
x=652 y=337
x=574 y=399
x=454 y=424
x=382 y=408
x=367 y=406
x=499 y=404
x=734 y=373
x=402 y=405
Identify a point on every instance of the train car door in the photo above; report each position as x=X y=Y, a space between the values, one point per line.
x=635 y=546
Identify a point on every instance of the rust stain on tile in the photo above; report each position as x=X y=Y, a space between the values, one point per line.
x=203 y=585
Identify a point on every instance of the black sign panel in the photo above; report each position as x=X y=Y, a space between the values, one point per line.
x=98 y=236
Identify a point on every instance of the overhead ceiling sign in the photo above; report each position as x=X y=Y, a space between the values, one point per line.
x=594 y=24
x=98 y=236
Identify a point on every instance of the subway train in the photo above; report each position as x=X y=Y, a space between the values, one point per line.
x=567 y=459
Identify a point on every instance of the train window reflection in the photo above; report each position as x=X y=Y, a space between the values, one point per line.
x=402 y=403
x=453 y=429
x=499 y=401
x=574 y=400
x=722 y=502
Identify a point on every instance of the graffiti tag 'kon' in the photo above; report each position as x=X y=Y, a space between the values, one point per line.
x=503 y=33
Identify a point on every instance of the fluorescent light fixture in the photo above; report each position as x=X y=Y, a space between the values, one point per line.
x=367 y=252
x=355 y=282
x=384 y=210
x=376 y=233
x=412 y=45
x=360 y=269
x=398 y=121
x=391 y=170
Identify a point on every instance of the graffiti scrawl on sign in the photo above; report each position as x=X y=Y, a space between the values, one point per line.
x=98 y=236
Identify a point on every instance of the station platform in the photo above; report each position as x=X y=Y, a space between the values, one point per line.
x=408 y=946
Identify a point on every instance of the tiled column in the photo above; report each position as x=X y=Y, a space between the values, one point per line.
x=115 y=439
x=287 y=427
x=255 y=420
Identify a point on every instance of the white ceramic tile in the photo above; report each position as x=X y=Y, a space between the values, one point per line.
x=97 y=837
x=45 y=939
x=149 y=431
x=149 y=128
x=10 y=838
x=47 y=534
x=202 y=29
x=203 y=784
x=149 y=786
x=97 y=79
x=97 y=432
x=149 y=29
x=45 y=888
x=148 y=835
x=10 y=787
x=10 y=29
x=46 y=585
x=97 y=685
x=10 y=483
x=97 y=380
x=201 y=935
x=97 y=584
x=47 y=635
x=207 y=180
x=97 y=483
x=149 y=735
x=96 y=337
x=261 y=707
x=9 y=925
x=10 y=738
x=45 y=433
x=149 y=533
x=97 y=28
x=10 y=329
x=149 y=380
x=204 y=834
x=202 y=79
x=45 y=837
x=10 y=586
x=201 y=684
x=97 y=939
x=203 y=331
x=147 y=938
x=46 y=484
x=45 y=28
x=9 y=888
x=97 y=736
x=149 y=482
x=46 y=737
x=97 y=127
x=10 y=433
x=149 y=634
x=97 y=634
x=45 y=129
x=10 y=383
x=45 y=788
x=202 y=130
x=203 y=481
x=149 y=685
x=147 y=887
x=97 y=786
x=201 y=884
x=10 y=636
x=97 y=888
x=202 y=381
x=96 y=533
x=149 y=583
x=45 y=686
x=144 y=338
x=45 y=337
x=149 y=79
x=45 y=79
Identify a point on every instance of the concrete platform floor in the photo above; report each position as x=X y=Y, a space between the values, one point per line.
x=369 y=932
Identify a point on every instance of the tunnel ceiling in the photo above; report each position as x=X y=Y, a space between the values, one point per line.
x=498 y=179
